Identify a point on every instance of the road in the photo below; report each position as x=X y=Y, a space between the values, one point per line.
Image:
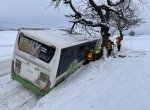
x=13 y=96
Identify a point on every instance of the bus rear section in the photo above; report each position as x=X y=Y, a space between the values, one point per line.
x=31 y=64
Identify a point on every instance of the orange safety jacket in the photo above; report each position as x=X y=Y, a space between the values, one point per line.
x=110 y=43
x=119 y=39
x=90 y=55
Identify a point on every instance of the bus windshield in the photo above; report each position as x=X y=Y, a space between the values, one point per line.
x=36 y=49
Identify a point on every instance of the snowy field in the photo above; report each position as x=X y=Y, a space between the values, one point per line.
x=120 y=83
x=13 y=96
x=7 y=40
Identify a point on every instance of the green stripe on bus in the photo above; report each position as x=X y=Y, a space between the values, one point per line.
x=29 y=86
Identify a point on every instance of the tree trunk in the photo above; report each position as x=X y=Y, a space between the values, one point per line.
x=105 y=35
x=121 y=34
x=105 y=45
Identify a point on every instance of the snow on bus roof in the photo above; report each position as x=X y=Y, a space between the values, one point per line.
x=57 y=37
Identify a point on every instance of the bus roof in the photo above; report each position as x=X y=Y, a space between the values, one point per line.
x=56 y=37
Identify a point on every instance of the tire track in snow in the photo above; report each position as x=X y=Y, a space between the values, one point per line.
x=144 y=75
x=5 y=67
x=13 y=96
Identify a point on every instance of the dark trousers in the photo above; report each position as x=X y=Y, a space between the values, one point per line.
x=109 y=52
x=119 y=47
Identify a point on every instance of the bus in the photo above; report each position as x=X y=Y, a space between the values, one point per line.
x=42 y=58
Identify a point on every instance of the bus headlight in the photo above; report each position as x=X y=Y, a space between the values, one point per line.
x=43 y=81
x=17 y=66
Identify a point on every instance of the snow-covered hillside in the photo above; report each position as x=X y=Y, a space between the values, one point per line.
x=120 y=83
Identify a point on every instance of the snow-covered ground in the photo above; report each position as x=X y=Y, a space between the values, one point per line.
x=117 y=83
x=13 y=96
x=7 y=40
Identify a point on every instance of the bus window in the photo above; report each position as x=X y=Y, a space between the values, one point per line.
x=36 y=49
x=66 y=58
x=92 y=45
x=82 y=52
x=67 y=53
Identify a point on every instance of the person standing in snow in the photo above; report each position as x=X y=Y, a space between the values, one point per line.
x=110 y=47
x=118 y=41
x=90 y=56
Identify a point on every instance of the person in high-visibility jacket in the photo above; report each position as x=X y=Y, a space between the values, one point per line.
x=90 y=55
x=110 y=47
x=118 y=41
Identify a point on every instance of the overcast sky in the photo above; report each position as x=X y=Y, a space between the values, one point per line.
x=34 y=13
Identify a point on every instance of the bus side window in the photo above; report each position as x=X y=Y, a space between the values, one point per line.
x=98 y=44
x=91 y=46
x=66 y=57
x=81 y=53
x=67 y=53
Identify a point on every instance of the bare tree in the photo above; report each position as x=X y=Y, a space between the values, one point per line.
x=131 y=15
x=94 y=15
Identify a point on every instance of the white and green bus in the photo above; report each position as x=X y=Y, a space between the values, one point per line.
x=44 y=57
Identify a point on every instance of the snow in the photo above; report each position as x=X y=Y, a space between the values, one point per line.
x=116 y=83
x=136 y=44
x=7 y=40
x=57 y=37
